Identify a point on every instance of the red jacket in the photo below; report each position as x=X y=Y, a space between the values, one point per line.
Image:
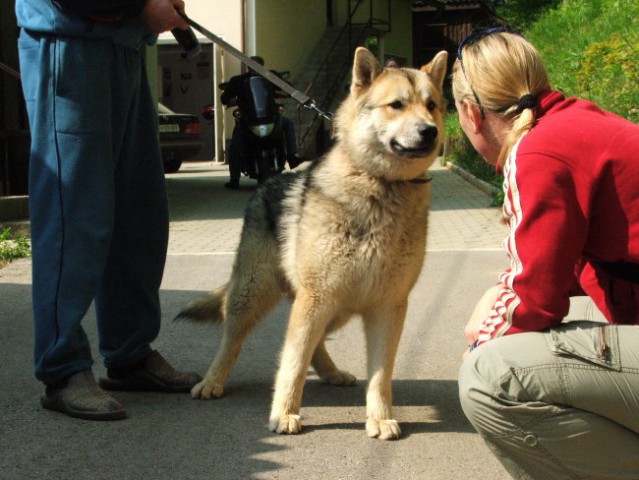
x=572 y=200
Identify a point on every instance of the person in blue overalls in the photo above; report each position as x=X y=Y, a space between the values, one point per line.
x=97 y=199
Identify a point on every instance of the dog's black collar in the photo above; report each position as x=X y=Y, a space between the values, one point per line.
x=423 y=179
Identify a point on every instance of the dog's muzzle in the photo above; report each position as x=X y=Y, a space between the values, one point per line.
x=427 y=142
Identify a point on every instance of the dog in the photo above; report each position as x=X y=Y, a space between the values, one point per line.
x=344 y=237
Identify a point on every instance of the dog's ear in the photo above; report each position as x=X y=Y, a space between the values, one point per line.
x=365 y=69
x=436 y=69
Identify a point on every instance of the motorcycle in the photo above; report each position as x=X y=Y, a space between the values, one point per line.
x=259 y=117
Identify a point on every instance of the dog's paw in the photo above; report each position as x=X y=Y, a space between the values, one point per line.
x=383 y=429
x=340 y=378
x=286 y=424
x=206 y=390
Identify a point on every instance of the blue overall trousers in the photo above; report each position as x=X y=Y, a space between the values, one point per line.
x=97 y=199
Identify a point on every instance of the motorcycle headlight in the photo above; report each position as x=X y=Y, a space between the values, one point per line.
x=263 y=130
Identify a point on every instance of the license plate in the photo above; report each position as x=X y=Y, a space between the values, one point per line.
x=172 y=128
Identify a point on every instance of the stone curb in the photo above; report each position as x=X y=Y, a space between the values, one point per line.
x=469 y=177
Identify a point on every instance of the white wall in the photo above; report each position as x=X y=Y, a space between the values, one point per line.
x=287 y=31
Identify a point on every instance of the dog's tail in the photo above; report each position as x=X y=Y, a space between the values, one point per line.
x=207 y=308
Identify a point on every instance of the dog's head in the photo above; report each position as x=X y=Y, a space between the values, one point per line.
x=393 y=120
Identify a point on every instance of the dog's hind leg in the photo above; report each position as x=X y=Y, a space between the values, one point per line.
x=250 y=297
x=307 y=326
x=383 y=328
x=327 y=370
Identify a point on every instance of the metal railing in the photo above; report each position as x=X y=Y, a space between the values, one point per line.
x=335 y=65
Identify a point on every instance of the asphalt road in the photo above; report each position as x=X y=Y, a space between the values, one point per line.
x=175 y=437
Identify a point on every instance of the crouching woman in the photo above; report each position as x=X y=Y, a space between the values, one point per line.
x=553 y=399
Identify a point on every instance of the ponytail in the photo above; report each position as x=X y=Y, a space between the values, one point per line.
x=522 y=122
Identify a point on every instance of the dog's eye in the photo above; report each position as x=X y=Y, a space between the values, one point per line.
x=396 y=105
x=430 y=105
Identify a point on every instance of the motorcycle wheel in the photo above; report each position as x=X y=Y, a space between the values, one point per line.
x=267 y=166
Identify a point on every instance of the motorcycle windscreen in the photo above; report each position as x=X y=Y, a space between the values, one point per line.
x=259 y=99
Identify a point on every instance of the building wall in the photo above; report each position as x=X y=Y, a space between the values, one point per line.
x=14 y=135
x=224 y=18
x=442 y=26
x=399 y=41
x=287 y=30
x=11 y=114
x=284 y=32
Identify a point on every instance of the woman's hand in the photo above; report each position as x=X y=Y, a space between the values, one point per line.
x=480 y=313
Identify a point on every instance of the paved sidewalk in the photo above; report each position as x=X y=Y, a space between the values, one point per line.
x=461 y=217
x=174 y=437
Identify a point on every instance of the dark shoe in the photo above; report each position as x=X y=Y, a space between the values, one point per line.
x=232 y=185
x=83 y=398
x=153 y=374
x=294 y=161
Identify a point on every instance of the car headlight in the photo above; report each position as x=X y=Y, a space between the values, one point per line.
x=263 y=130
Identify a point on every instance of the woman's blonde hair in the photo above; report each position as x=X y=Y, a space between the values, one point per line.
x=505 y=74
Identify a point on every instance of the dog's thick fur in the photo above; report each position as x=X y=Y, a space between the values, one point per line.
x=344 y=237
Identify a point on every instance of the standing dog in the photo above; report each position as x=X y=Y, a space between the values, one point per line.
x=344 y=237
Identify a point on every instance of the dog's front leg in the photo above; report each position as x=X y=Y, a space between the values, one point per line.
x=383 y=330
x=306 y=328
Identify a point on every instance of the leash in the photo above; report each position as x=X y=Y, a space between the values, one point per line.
x=9 y=70
x=300 y=97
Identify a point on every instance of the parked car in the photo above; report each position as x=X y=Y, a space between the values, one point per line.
x=180 y=137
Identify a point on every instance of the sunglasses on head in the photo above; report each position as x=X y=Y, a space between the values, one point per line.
x=470 y=39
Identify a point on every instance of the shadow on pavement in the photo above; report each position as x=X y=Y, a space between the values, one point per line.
x=173 y=436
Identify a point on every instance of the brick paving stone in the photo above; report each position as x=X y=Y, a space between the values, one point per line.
x=207 y=218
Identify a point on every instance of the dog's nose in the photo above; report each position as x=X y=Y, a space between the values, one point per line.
x=428 y=133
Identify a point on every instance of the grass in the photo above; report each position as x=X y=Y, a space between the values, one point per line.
x=460 y=152
x=13 y=246
x=591 y=51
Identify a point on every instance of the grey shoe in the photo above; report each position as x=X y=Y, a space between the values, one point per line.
x=153 y=374
x=83 y=398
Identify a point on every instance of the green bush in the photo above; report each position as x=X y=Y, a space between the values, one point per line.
x=460 y=151
x=13 y=246
x=591 y=50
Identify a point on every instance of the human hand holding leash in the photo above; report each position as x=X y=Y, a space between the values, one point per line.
x=161 y=15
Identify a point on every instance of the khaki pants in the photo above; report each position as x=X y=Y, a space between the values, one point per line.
x=559 y=404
